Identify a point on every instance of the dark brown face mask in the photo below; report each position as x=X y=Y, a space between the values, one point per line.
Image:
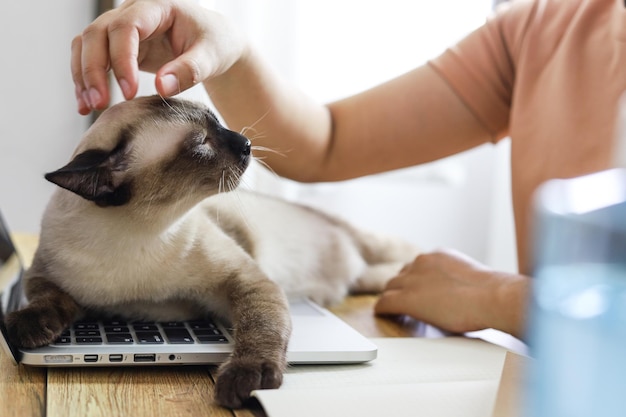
x=209 y=158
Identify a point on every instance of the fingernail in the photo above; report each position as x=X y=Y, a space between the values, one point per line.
x=78 y=93
x=94 y=97
x=125 y=87
x=85 y=97
x=170 y=85
x=81 y=103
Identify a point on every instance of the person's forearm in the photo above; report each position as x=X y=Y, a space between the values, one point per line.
x=412 y=119
x=272 y=114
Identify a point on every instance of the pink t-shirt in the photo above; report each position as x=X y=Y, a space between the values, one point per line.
x=548 y=74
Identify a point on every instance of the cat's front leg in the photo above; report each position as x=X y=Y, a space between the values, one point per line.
x=50 y=311
x=262 y=325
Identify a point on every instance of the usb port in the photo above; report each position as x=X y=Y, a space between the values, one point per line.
x=145 y=357
x=90 y=358
x=115 y=358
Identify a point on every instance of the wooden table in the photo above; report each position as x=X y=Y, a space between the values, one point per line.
x=147 y=391
x=144 y=391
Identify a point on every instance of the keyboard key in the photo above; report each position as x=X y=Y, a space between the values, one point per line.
x=109 y=323
x=202 y=324
x=120 y=338
x=177 y=335
x=63 y=340
x=86 y=326
x=207 y=332
x=149 y=338
x=89 y=340
x=87 y=333
x=116 y=329
x=212 y=339
x=173 y=324
x=145 y=327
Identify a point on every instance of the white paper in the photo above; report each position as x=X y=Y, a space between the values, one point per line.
x=411 y=377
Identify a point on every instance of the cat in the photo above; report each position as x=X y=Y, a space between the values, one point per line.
x=147 y=224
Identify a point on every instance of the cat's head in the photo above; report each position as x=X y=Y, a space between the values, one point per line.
x=157 y=152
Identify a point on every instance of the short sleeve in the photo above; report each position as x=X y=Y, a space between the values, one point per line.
x=481 y=67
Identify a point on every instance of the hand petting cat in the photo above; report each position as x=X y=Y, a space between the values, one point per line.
x=181 y=43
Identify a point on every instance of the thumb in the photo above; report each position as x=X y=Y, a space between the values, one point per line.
x=168 y=85
x=388 y=303
x=179 y=75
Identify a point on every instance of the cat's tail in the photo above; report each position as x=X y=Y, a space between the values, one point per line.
x=374 y=248
x=384 y=256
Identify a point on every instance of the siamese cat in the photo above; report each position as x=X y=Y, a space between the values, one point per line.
x=146 y=224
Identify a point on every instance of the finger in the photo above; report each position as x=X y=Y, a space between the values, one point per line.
x=95 y=64
x=406 y=267
x=181 y=74
x=77 y=76
x=389 y=303
x=123 y=52
x=396 y=283
x=82 y=102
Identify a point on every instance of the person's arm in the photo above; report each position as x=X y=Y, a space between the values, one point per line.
x=413 y=119
x=409 y=120
x=458 y=294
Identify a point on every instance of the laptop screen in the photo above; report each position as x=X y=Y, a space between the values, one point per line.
x=11 y=270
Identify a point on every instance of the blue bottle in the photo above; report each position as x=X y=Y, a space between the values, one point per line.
x=577 y=323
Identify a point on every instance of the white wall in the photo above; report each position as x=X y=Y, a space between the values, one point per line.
x=39 y=124
x=330 y=48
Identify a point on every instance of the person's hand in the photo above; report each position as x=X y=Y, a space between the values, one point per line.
x=457 y=294
x=179 y=41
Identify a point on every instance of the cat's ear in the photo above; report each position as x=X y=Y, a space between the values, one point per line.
x=96 y=175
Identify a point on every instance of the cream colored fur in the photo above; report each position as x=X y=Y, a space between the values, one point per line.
x=147 y=224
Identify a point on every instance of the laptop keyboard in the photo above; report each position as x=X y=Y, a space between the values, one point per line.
x=143 y=333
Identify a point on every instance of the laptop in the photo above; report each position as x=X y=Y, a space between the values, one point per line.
x=318 y=336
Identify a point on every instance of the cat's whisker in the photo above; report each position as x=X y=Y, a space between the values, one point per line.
x=243 y=182
x=164 y=100
x=256 y=136
x=220 y=187
x=245 y=130
x=240 y=207
x=251 y=127
x=232 y=185
x=266 y=149
x=182 y=113
x=260 y=159
x=269 y=168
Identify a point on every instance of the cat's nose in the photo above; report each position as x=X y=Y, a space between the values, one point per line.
x=238 y=144
x=241 y=145
x=247 y=147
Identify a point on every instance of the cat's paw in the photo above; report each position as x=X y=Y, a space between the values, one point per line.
x=238 y=377
x=34 y=326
